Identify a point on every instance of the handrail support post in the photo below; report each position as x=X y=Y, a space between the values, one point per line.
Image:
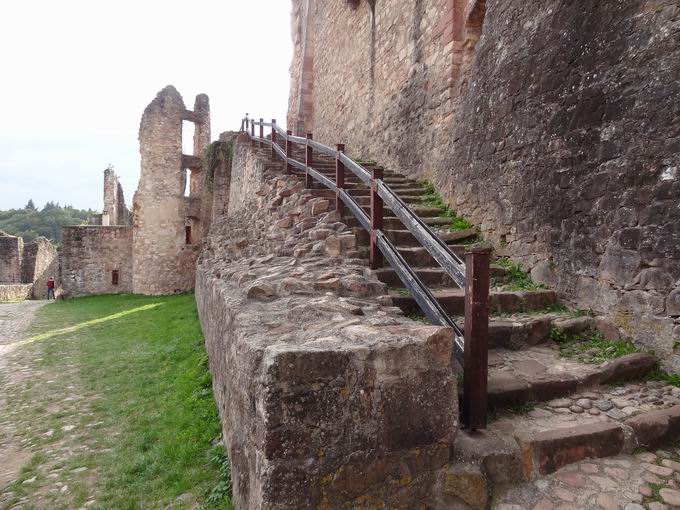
x=376 y=256
x=476 y=356
x=289 y=152
x=252 y=134
x=273 y=139
x=339 y=179
x=261 y=132
x=309 y=162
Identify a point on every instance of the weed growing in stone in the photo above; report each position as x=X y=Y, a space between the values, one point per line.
x=433 y=199
x=591 y=346
x=659 y=374
x=517 y=278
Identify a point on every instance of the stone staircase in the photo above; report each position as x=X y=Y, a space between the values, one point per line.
x=548 y=410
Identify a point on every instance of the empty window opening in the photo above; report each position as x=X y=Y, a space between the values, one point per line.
x=187 y=183
x=114 y=277
x=187 y=234
x=188 y=130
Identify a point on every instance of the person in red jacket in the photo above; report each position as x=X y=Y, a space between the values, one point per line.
x=50 y=288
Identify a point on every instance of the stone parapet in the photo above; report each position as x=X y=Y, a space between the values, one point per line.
x=15 y=291
x=327 y=398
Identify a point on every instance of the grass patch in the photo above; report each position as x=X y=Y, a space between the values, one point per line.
x=144 y=358
x=659 y=374
x=432 y=198
x=521 y=408
x=517 y=278
x=591 y=346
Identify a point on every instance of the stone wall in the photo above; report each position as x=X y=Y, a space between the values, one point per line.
x=327 y=399
x=555 y=133
x=114 y=201
x=11 y=255
x=89 y=257
x=15 y=291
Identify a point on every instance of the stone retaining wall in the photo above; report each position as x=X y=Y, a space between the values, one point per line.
x=15 y=292
x=327 y=399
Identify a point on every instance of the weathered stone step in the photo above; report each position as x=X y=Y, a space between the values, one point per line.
x=540 y=373
x=421 y=210
x=501 y=302
x=417 y=256
x=363 y=198
x=405 y=238
x=396 y=224
x=433 y=276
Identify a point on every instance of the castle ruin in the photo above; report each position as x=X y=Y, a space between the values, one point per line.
x=25 y=267
x=153 y=249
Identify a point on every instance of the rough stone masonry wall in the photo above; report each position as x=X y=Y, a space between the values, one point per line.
x=382 y=77
x=11 y=254
x=327 y=399
x=90 y=255
x=560 y=141
x=114 y=200
x=567 y=148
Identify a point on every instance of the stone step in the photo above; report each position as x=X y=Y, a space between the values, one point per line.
x=433 y=276
x=363 y=197
x=396 y=224
x=561 y=451
x=501 y=302
x=417 y=256
x=540 y=373
x=406 y=239
x=421 y=210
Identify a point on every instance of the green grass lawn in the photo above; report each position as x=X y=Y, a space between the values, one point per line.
x=143 y=360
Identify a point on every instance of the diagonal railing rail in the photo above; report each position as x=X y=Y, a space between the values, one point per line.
x=471 y=348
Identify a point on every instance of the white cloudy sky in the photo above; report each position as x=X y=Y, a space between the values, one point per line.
x=77 y=75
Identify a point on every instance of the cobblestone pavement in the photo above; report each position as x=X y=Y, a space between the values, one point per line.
x=15 y=318
x=647 y=480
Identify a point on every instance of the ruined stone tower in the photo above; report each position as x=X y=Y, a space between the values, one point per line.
x=115 y=212
x=165 y=220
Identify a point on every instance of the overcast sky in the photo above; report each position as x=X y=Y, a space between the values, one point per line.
x=77 y=75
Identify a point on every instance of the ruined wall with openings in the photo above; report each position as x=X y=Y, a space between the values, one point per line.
x=167 y=225
x=90 y=256
x=556 y=133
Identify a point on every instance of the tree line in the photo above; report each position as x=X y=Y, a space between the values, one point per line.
x=31 y=222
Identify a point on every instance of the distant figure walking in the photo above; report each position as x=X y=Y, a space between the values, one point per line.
x=50 y=288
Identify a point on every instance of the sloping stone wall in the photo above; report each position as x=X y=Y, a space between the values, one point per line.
x=555 y=133
x=327 y=399
x=89 y=257
x=41 y=261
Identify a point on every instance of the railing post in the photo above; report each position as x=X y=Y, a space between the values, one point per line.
x=273 y=139
x=289 y=152
x=376 y=259
x=476 y=337
x=261 y=132
x=339 y=179
x=252 y=134
x=309 y=161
